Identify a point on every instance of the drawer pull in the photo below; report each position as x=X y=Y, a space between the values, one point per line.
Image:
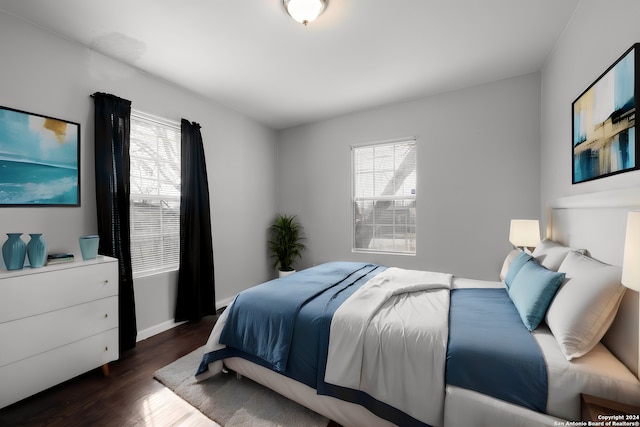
x=106 y=349
x=106 y=315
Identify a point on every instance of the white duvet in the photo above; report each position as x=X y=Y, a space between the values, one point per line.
x=389 y=340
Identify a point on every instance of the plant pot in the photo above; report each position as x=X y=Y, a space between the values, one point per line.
x=285 y=273
x=89 y=246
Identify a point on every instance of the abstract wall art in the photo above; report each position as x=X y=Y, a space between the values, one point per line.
x=39 y=160
x=604 y=118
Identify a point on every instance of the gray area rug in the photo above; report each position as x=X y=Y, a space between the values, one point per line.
x=234 y=402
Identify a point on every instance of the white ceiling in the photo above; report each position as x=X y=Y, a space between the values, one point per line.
x=249 y=55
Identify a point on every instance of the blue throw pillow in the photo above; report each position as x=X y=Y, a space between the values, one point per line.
x=532 y=290
x=521 y=259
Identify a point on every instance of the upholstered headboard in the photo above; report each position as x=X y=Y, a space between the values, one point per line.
x=597 y=222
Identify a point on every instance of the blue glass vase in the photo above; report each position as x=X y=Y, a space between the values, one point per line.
x=37 y=250
x=14 y=251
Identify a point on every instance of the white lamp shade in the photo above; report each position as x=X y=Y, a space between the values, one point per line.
x=304 y=11
x=524 y=232
x=631 y=263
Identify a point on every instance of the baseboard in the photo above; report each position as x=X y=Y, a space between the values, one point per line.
x=156 y=329
x=225 y=302
x=165 y=326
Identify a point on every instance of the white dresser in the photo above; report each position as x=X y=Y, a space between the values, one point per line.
x=56 y=322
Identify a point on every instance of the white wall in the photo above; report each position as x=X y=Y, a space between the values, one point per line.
x=478 y=167
x=485 y=155
x=44 y=74
x=599 y=32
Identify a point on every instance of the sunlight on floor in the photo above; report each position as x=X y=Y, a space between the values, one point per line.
x=163 y=408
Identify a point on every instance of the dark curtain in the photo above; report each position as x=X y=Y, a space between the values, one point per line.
x=196 y=293
x=112 y=116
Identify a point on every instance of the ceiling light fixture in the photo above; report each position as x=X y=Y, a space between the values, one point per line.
x=304 y=11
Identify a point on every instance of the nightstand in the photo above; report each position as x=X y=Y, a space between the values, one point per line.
x=591 y=407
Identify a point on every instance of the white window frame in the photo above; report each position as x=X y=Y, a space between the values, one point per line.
x=411 y=242
x=167 y=258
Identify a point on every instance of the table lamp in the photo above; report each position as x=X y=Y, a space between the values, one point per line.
x=524 y=233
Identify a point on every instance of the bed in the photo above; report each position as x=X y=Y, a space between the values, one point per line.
x=369 y=345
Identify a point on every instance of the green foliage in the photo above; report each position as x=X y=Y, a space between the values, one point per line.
x=285 y=241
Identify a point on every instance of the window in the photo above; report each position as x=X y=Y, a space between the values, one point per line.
x=155 y=194
x=384 y=197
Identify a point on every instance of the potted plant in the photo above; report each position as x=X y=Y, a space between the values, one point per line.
x=285 y=242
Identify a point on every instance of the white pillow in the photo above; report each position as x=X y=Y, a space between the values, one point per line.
x=507 y=263
x=585 y=305
x=550 y=254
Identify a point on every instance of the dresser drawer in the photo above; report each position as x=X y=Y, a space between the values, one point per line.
x=44 y=289
x=38 y=334
x=28 y=376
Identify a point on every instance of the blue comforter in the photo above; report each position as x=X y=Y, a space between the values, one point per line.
x=491 y=351
x=290 y=313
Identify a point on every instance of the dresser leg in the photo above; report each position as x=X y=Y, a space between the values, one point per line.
x=105 y=369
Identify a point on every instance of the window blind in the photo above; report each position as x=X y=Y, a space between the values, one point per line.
x=155 y=194
x=384 y=197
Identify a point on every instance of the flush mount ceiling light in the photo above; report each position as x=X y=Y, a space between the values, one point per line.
x=304 y=11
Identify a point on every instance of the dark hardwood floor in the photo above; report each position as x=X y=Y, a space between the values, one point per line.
x=129 y=396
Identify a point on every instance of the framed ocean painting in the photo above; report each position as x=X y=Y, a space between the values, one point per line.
x=604 y=122
x=39 y=160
